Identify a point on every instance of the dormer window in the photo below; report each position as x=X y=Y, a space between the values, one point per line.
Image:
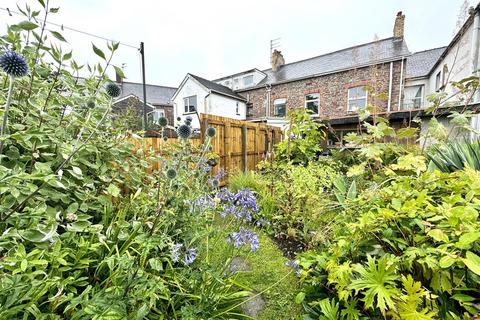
x=248 y=80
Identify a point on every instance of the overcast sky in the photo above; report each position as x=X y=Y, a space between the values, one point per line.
x=214 y=38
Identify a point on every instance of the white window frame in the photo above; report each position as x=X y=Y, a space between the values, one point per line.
x=157 y=114
x=185 y=106
x=250 y=76
x=277 y=102
x=409 y=99
x=313 y=100
x=438 y=81
x=349 y=99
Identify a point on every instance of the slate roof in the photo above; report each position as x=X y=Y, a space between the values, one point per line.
x=156 y=95
x=420 y=63
x=384 y=50
x=217 y=88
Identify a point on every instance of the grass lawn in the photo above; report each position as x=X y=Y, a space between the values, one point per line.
x=268 y=274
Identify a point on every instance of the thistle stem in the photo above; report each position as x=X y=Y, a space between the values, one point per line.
x=3 y=129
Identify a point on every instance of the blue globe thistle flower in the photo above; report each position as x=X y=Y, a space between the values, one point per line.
x=190 y=256
x=184 y=131
x=162 y=121
x=91 y=104
x=179 y=119
x=165 y=138
x=171 y=173
x=189 y=118
x=215 y=183
x=211 y=131
x=113 y=90
x=13 y=64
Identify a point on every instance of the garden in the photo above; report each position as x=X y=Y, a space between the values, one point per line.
x=88 y=231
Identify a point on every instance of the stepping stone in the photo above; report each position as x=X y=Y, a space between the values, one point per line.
x=253 y=306
x=239 y=264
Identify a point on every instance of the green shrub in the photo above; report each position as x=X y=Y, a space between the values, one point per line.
x=303 y=138
x=87 y=229
x=454 y=156
x=409 y=250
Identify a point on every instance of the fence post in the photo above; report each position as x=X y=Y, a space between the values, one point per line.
x=226 y=145
x=244 y=148
x=256 y=156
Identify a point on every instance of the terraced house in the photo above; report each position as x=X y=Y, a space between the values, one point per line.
x=336 y=85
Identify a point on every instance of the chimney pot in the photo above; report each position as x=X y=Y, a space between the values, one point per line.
x=277 y=60
x=399 y=27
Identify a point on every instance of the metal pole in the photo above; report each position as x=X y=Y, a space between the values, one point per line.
x=142 y=53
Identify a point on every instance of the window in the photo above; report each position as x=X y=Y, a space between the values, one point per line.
x=413 y=98
x=190 y=104
x=312 y=102
x=279 y=107
x=438 y=81
x=237 y=110
x=444 y=75
x=157 y=114
x=357 y=98
x=248 y=80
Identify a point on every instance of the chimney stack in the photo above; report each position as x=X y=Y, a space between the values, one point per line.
x=277 y=60
x=399 y=27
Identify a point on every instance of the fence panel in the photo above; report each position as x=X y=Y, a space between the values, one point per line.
x=240 y=145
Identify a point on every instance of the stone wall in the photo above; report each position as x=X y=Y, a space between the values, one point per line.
x=333 y=89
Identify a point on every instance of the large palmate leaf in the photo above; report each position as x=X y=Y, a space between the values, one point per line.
x=376 y=281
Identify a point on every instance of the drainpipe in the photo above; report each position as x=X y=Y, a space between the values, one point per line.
x=389 y=106
x=400 y=86
x=475 y=47
x=269 y=89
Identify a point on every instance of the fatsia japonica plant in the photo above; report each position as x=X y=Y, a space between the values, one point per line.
x=87 y=229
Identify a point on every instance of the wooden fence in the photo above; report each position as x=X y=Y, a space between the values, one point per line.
x=240 y=145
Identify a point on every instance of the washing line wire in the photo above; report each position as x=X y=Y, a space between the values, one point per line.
x=62 y=26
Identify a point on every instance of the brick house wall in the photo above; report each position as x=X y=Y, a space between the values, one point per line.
x=333 y=89
x=136 y=106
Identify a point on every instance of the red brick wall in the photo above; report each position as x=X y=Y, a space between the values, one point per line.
x=333 y=89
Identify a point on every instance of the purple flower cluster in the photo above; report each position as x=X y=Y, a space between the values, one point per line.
x=203 y=203
x=244 y=237
x=175 y=252
x=203 y=165
x=189 y=256
x=294 y=265
x=241 y=205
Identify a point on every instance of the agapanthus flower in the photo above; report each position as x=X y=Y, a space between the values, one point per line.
x=220 y=174
x=225 y=195
x=246 y=198
x=175 y=252
x=13 y=64
x=262 y=222
x=203 y=203
x=294 y=265
x=243 y=238
x=184 y=131
x=190 y=256
x=113 y=90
